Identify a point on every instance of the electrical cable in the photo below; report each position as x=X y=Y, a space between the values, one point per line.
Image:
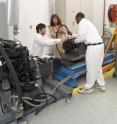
x=50 y=95
x=44 y=94
x=45 y=105
x=40 y=109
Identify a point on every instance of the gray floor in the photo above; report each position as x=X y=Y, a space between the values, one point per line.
x=96 y=108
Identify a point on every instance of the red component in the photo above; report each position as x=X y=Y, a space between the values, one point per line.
x=112 y=13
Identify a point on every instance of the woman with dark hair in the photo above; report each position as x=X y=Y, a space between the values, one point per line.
x=55 y=22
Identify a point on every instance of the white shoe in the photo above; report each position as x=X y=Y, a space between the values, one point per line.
x=86 y=91
x=102 y=88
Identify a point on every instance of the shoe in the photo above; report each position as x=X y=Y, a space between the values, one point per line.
x=86 y=91
x=102 y=88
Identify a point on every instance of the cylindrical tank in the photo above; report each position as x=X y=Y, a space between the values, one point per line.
x=13 y=12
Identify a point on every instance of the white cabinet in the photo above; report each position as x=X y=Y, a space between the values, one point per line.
x=93 y=10
x=67 y=10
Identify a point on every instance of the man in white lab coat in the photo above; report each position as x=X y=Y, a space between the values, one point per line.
x=94 y=54
x=41 y=41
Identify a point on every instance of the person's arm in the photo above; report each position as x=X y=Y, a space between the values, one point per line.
x=81 y=36
x=50 y=42
x=47 y=41
x=62 y=30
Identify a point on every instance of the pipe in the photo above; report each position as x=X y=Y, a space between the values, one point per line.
x=13 y=12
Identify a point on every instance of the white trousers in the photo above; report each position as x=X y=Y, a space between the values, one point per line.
x=94 y=60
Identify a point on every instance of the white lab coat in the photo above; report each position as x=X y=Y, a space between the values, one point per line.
x=41 y=42
x=94 y=54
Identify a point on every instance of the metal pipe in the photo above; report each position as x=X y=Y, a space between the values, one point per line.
x=13 y=12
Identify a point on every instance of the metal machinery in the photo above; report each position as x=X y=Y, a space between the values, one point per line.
x=73 y=61
x=73 y=52
x=29 y=84
x=24 y=82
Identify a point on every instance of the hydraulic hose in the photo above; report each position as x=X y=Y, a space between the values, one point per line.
x=33 y=105
x=61 y=83
x=12 y=72
x=31 y=99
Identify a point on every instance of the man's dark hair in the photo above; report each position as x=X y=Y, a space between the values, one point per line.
x=40 y=26
x=80 y=15
x=58 y=19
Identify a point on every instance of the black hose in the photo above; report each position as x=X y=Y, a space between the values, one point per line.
x=44 y=106
x=12 y=72
x=49 y=95
x=2 y=109
x=44 y=94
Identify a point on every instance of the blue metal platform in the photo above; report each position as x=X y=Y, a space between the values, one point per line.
x=76 y=71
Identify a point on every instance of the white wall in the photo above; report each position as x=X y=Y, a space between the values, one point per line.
x=52 y=2
x=67 y=10
x=31 y=13
x=60 y=8
x=93 y=9
x=98 y=14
